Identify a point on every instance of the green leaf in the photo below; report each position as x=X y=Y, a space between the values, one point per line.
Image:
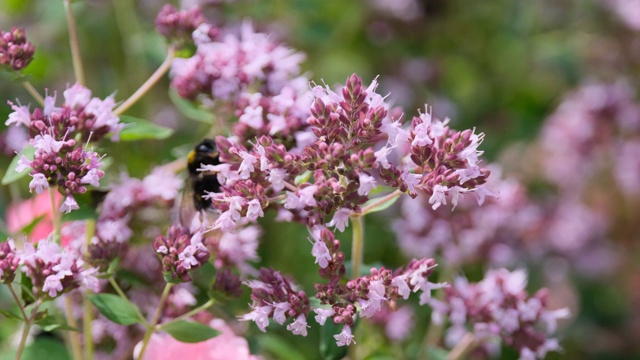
x=29 y=228
x=41 y=348
x=303 y=178
x=279 y=348
x=115 y=308
x=50 y=323
x=436 y=353
x=12 y=175
x=10 y=314
x=189 y=332
x=189 y=109
x=139 y=129
x=382 y=206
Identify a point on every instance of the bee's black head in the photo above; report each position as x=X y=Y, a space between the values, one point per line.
x=206 y=146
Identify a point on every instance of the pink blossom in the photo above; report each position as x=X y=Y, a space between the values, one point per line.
x=345 y=338
x=299 y=326
x=254 y=210
x=77 y=96
x=259 y=315
x=162 y=183
x=280 y=312
x=321 y=253
x=20 y=116
x=438 y=198
x=226 y=346
x=322 y=315
x=38 y=183
x=367 y=183
x=52 y=285
x=69 y=204
x=340 y=219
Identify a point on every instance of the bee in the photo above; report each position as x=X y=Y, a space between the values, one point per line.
x=199 y=183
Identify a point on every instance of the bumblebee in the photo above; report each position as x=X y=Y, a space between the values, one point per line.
x=199 y=183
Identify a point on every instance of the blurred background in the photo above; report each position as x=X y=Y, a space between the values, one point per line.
x=552 y=83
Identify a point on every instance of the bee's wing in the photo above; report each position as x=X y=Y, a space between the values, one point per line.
x=186 y=207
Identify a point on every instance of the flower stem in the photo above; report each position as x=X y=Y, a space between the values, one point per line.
x=154 y=321
x=74 y=336
x=73 y=42
x=87 y=317
x=461 y=350
x=117 y=288
x=357 y=244
x=144 y=88
x=33 y=92
x=192 y=312
x=25 y=331
x=17 y=299
x=55 y=215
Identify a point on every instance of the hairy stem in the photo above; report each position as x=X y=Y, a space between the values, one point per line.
x=87 y=317
x=357 y=244
x=33 y=92
x=121 y=293
x=17 y=299
x=73 y=42
x=74 y=336
x=192 y=312
x=154 y=321
x=380 y=201
x=25 y=331
x=144 y=88
x=461 y=350
x=55 y=214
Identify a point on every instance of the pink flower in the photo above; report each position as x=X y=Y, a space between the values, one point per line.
x=322 y=315
x=69 y=205
x=367 y=183
x=38 y=183
x=345 y=338
x=226 y=346
x=299 y=326
x=321 y=253
x=340 y=219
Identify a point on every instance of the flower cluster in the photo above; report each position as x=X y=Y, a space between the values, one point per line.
x=274 y=296
x=180 y=252
x=9 y=261
x=58 y=135
x=340 y=164
x=245 y=74
x=498 y=307
x=54 y=271
x=15 y=51
x=178 y=25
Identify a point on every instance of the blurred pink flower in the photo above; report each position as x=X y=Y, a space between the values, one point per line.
x=21 y=214
x=226 y=346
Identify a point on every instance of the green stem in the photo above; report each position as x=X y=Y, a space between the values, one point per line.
x=461 y=350
x=55 y=214
x=434 y=333
x=192 y=312
x=153 y=79
x=154 y=321
x=357 y=244
x=33 y=92
x=17 y=299
x=25 y=331
x=379 y=202
x=117 y=288
x=74 y=336
x=86 y=303
x=74 y=43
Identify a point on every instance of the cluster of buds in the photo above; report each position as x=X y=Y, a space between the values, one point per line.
x=180 y=252
x=498 y=307
x=343 y=163
x=274 y=296
x=59 y=134
x=54 y=271
x=15 y=51
x=177 y=26
x=9 y=261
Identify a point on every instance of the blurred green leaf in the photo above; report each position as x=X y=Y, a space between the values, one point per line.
x=189 y=331
x=279 y=348
x=329 y=349
x=139 y=129
x=189 y=109
x=50 y=323
x=12 y=175
x=436 y=353
x=41 y=348
x=115 y=308
x=9 y=314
